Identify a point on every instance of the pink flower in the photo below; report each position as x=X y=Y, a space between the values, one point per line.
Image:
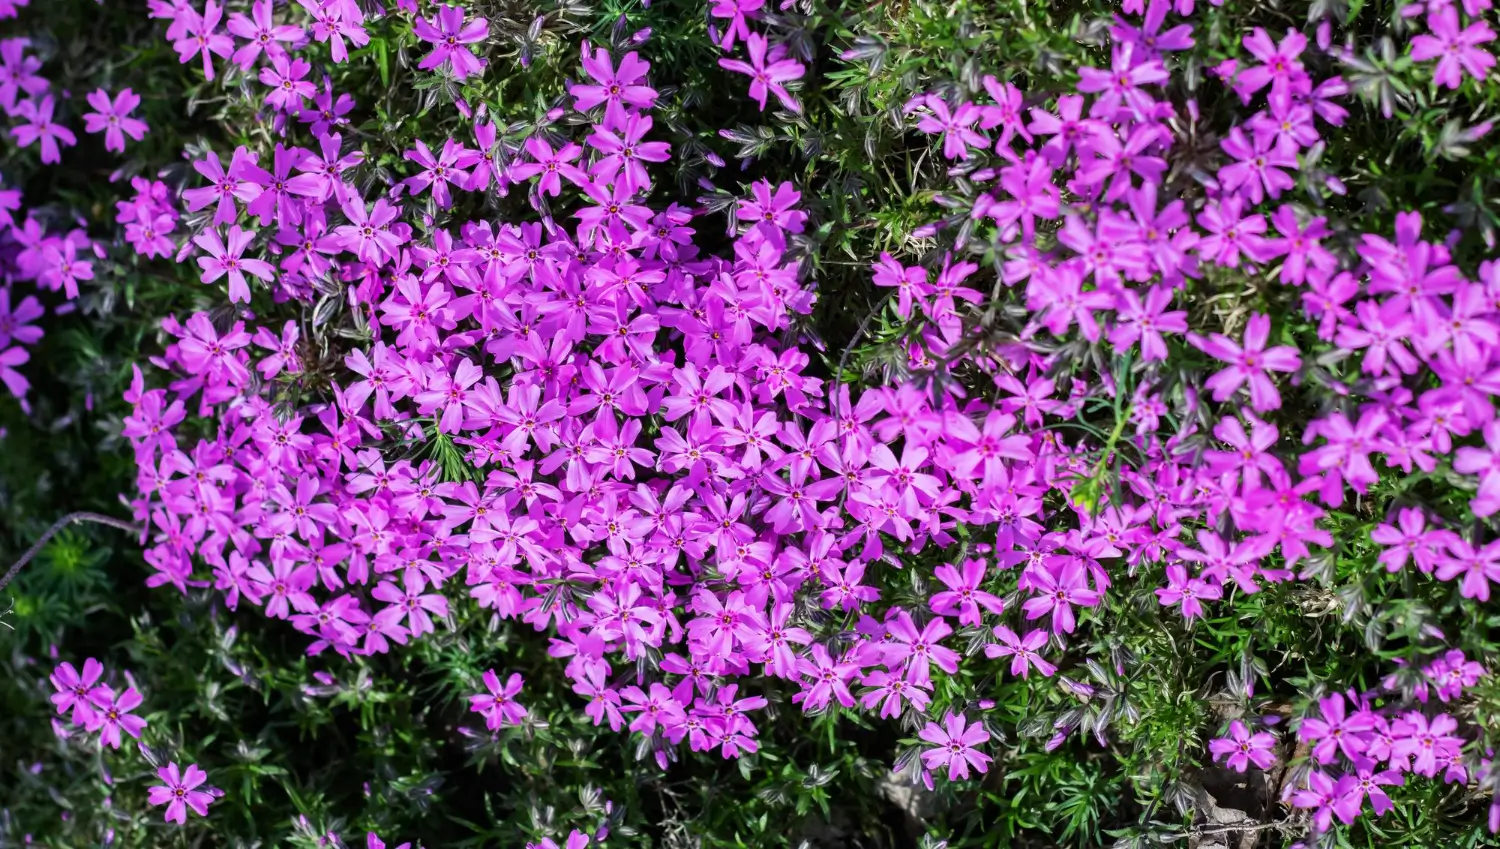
x=451 y=38
x=1057 y=593
x=1248 y=364
x=1022 y=651
x=77 y=692
x=1280 y=68
x=113 y=715
x=288 y=81
x=225 y=257
x=768 y=71
x=615 y=89
x=954 y=745
x=1456 y=51
x=202 y=40
x=39 y=127
x=963 y=594
x=1147 y=320
x=261 y=35
x=1243 y=748
x=1190 y=591
x=178 y=794
x=113 y=118
x=14 y=380
x=1334 y=732
x=499 y=706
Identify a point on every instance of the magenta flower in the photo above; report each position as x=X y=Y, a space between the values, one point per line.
x=225 y=257
x=1279 y=65
x=177 y=791
x=14 y=380
x=15 y=323
x=113 y=715
x=1346 y=456
x=62 y=268
x=1232 y=233
x=450 y=39
x=201 y=39
x=625 y=154
x=228 y=185
x=1022 y=651
x=956 y=126
x=39 y=127
x=1146 y=321
x=499 y=706
x=1456 y=50
x=334 y=21
x=77 y=692
x=1189 y=591
x=827 y=679
x=1121 y=85
x=1250 y=364
x=768 y=70
x=1257 y=169
x=914 y=649
x=113 y=118
x=614 y=89
x=1057 y=593
x=18 y=74
x=439 y=172
x=551 y=165
x=1244 y=748
x=953 y=746
x=261 y=35
x=287 y=78
x=739 y=12
x=1333 y=731
x=776 y=207
x=963 y=594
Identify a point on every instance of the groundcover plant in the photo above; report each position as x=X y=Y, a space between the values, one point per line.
x=760 y=422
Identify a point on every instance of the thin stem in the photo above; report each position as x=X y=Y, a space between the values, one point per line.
x=859 y=333
x=79 y=516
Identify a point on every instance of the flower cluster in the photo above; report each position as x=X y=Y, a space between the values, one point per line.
x=617 y=430
x=96 y=707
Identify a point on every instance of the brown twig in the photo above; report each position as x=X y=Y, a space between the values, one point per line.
x=79 y=516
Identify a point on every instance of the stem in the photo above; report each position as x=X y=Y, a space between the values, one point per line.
x=859 y=333
x=79 y=516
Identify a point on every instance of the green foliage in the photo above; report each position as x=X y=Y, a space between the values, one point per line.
x=305 y=746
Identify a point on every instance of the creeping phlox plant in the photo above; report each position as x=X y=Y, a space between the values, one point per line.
x=1149 y=364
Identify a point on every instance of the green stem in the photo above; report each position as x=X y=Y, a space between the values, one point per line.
x=79 y=516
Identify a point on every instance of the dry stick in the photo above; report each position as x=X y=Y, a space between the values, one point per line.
x=80 y=516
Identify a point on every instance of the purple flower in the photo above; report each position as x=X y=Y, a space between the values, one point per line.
x=39 y=127
x=953 y=746
x=1147 y=321
x=1456 y=50
x=77 y=692
x=1279 y=64
x=113 y=118
x=1244 y=748
x=225 y=257
x=499 y=706
x=199 y=37
x=1022 y=651
x=768 y=70
x=113 y=715
x=177 y=791
x=615 y=89
x=450 y=39
x=287 y=78
x=1058 y=592
x=261 y=35
x=1250 y=364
